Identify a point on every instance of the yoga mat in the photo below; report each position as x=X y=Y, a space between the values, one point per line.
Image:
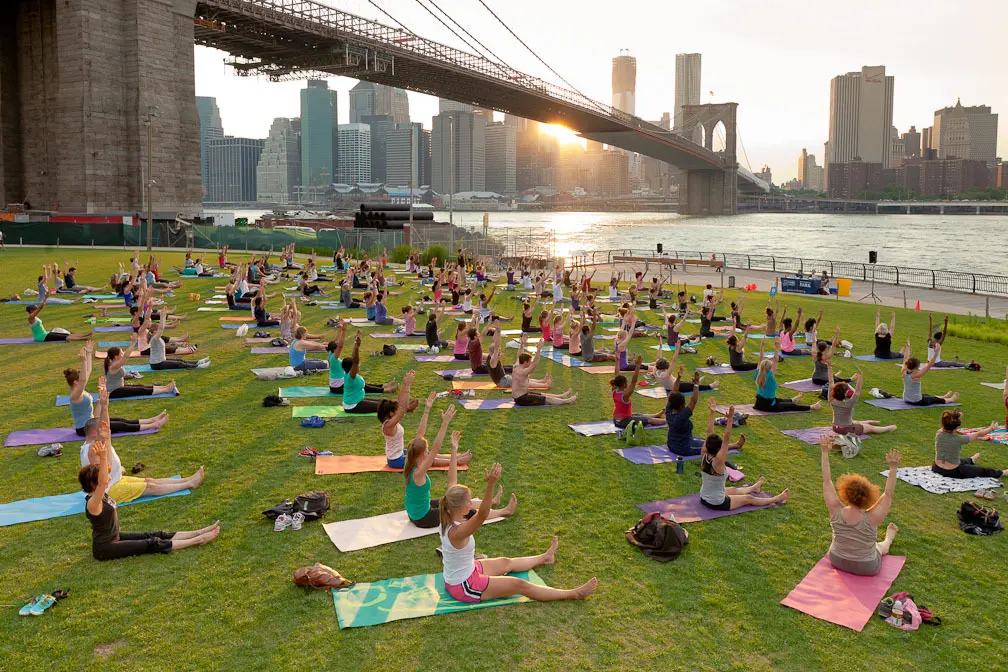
x=35 y=437
x=897 y=404
x=18 y=341
x=597 y=369
x=214 y=302
x=353 y=535
x=56 y=506
x=118 y=327
x=653 y=392
x=937 y=484
x=252 y=327
x=64 y=399
x=326 y=412
x=688 y=509
x=996 y=386
x=804 y=385
x=102 y=296
x=413 y=597
x=661 y=455
x=602 y=427
x=110 y=320
x=872 y=358
x=102 y=354
x=460 y=373
x=236 y=318
x=269 y=372
x=139 y=368
x=110 y=344
x=53 y=302
x=997 y=436
x=846 y=599
x=442 y=359
x=300 y=392
x=411 y=347
x=270 y=350
x=562 y=358
x=487 y=385
x=749 y=410
x=811 y=435
x=253 y=340
x=490 y=404
x=721 y=370
x=211 y=309
x=415 y=334
x=326 y=465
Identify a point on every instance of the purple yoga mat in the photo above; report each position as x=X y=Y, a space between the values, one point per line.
x=897 y=404
x=118 y=327
x=460 y=373
x=749 y=410
x=16 y=341
x=805 y=385
x=32 y=437
x=488 y=404
x=688 y=509
x=717 y=370
x=811 y=435
x=444 y=359
x=653 y=454
x=415 y=334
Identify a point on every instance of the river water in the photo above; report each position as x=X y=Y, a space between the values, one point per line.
x=950 y=242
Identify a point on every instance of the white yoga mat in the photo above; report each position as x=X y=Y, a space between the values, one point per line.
x=937 y=484
x=354 y=535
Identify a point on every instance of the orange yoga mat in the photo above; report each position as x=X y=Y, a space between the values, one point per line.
x=326 y=465
x=598 y=370
x=486 y=385
x=237 y=318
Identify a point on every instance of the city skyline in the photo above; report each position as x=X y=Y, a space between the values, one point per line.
x=782 y=84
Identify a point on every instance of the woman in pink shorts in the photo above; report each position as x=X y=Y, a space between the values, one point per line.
x=469 y=580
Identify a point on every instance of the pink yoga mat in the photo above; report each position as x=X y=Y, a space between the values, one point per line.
x=828 y=594
x=688 y=509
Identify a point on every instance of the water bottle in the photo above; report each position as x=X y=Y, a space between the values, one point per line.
x=897 y=613
x=680 y=464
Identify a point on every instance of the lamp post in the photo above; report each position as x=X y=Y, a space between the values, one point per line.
x=150 y=178
x=451 y=160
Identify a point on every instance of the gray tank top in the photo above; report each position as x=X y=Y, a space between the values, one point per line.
x=712 y=486
x=587 y=348
x=82 y=410
x=821 y=371
x=911 y=388
x=157 y=350
x=115 y=380
x=853 y=542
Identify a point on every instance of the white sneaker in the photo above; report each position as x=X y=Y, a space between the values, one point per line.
x=283 y=521
x=297 y=521
x=203 y=363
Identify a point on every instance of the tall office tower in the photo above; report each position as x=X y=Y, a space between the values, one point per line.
x=398 y=168
x=210 y=129
x=965 y=133
x=624 y=82
x=354 y=153
x=861 y=105
x=398 y=105
x=469 y=131
x=232 y=169
x=319 y=142
x=501 y=151
x=278 y=173
x=912 y=143
x=363 y=101
x=381 y=125
x=687 y=92
x=802 y=165
x=516 y=122
x=928 y=150
x=536 y=158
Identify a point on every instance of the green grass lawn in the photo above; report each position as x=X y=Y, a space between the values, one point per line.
x=232 y=605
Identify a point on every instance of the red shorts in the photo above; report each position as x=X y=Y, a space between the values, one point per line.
x=470 y=590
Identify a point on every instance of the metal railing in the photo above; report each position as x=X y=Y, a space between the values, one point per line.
x=955 y=281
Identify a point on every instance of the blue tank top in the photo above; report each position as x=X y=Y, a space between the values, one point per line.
x=82 y=410
x=150 y=277
x=297 y=357
x=369 y=312
x=381 y=312
x=769 y=390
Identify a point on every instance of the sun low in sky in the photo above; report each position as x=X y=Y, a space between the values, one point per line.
x=563 y=134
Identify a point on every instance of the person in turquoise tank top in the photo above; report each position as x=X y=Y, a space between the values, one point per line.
x=420 y=508
x=38 y=330
x=766 y=387
x=336 y=373
x=354 y=387
x=299 y=347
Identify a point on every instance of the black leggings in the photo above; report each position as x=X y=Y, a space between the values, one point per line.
x=687 y=387
x=132 y=391
x=173 y=364
x=268 y=323
x=927 y=400
x=967 y=469
x=52 y=337
x=387 y=321
x=778 y=405
x=818 y=381
x=432 y=518
x=311 y=289
x=117 y=425
x=745 y=366
x=369 y=388
x=352 y=304
x=133 y=543
x=364 y=406
x=463 y=356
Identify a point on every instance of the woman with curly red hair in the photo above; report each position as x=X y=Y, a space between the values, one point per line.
x=856 y=510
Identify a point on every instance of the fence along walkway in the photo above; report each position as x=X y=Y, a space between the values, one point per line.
x=957 y=281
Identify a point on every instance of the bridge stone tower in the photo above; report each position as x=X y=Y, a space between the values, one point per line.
x=710 y=192
x=77 y=81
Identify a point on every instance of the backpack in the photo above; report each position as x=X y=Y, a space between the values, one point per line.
x=274 y=400
x=313 y=504
x=388 y=350
x=980 y=520
x=658 y=538
x=320 y=577
x=973 y=365
x=279 y=343
x=636 y=431
x=284 y=507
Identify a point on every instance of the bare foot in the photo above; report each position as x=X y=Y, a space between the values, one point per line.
x=976 y=456
x=782 y=497
x=571 y=399
x=207 y=537
x=199 y=475
x=209 y=528
x=816 y=406
x=890 y=531
x=174 y=387
x=758 y=485
x=714 y=385
x=586 y=590
x=953 y=398
x=464 y=458
x=549 y=557
x=741 y=442
x=548 y=380
x=498 y=495
x=511 y=507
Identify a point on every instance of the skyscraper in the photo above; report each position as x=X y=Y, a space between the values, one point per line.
x=469 y=131
x=624 y=82
x=319 y=143
x=687 y=92
x=232 y=169
x=210 y=129
x=861 y=105
x=392 y=101
x=802 y=165
x=354 y=153
x=500 y=158
x=381 y=125
x=278 y=173
x=912 y=143
x=966 y=133
x=398 y=169
x=363 y=101
x=445 y=105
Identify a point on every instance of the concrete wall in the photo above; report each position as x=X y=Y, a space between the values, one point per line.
x=86 y=74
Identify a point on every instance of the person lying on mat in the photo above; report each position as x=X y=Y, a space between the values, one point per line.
x=520 y=381
x=913 y=373
x=115 y=359
x=336 y=373
x=123 y=488
x=664 y=369
x=107 y=542
x=82 y=403
x=856 y=510
x=354 y=387
x=298 y=349
x=789 y=327
x=883 y=337
x=38 y=330
x=713 y=493
x=938 y=337
x=949 y=443
x=766 y=387
x=822 y=364
x=622 y=396
x=391 y=413
x=470 y=580
x=843 y=399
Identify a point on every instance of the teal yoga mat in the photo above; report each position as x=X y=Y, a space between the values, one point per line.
x=55 y=506
x=412 y=597
x=306 y=391
x=325 y=412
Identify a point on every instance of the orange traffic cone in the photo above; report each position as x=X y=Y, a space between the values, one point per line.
x=917 y=307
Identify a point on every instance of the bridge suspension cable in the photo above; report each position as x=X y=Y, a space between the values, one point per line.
x=507 y=70
x=395 y=20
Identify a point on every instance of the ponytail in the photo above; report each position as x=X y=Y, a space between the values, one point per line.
x=414 y=450
x=453 y=498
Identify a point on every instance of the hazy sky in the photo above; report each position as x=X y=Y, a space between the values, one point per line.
x=774 y=58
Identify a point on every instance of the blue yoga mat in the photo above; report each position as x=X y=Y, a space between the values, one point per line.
x=138 y=368
x=110 y=344
x=102 y=296
x=873 y=358
x=64 y=399
x=55 y=506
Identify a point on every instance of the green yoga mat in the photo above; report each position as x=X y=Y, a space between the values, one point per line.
x=325 y=412
x=113 y=320
x=306 y=391
x=214 y=309
x=412 y=597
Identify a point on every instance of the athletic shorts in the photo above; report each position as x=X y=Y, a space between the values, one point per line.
x=127 y=488
x=505 y=381
x=470 y=590
x=397 y=463
x=530 y=399
x=723 y=506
